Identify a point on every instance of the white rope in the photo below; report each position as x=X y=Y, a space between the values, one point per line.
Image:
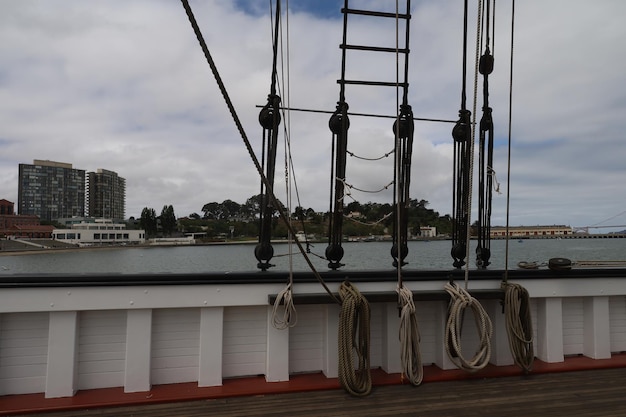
x=352 y=154
x=377 y=222
x=459 y=302
x=410 y=355
x=519 y=327
x=284 y=302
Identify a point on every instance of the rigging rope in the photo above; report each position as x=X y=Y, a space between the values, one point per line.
x=516 y=301
x=461 y=133
x=269 y=118
x=339 y=123
x=410 y=354
x=486 y=138
x=460 y=301
x=352 y=187
x=354 y=338
x=370 y=159
x=244 y=137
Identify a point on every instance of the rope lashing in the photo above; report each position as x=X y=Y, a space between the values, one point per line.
x=354 y=338
x=410 y=354
x=519 y=326
x=460 y=301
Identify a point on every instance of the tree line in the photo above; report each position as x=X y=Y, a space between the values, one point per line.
x=240 y=220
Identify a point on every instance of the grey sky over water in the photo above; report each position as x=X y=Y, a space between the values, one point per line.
x=124 y=86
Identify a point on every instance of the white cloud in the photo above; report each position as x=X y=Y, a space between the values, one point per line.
x=124 y=86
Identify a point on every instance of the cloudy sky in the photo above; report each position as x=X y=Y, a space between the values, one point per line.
x=123 y=85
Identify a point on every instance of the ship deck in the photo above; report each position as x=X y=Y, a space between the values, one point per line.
x=574 y=393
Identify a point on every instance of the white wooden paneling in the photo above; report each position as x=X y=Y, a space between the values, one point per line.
x=426 y=312
x=101 y=349
x=533 y=319
x=573 y=319
x=305 y=340
x=376 y=334
x=617 y=317
x=23 y=352
x=245 y=341
x=175 y=345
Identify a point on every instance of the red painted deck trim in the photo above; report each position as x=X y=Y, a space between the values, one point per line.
x=107 y=397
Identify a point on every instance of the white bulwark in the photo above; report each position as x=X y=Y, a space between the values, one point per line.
x=99 y=232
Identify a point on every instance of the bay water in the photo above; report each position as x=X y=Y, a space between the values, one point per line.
x=425 y=255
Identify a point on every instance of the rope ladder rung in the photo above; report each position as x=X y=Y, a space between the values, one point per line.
x=375 y=48
x=374 y=83
x=373 y=13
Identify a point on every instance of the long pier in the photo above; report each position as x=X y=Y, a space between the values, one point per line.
x=572 y=236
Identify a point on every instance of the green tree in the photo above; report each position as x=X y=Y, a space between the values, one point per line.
x=210 y=210
x=148 y=221
x=168 y=220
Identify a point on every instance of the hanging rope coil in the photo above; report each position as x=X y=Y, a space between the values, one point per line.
x=519 y=326
x=460 y=301
x=354 y=338
x=410 y=354
x=289 y=316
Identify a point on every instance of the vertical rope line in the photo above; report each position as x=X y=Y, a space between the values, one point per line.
x=244 y=137
x=471 y=144
x=508 y=179
x=398 y=157
x=288 y=161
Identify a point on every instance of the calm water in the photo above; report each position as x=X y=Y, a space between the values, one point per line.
x=359 y=256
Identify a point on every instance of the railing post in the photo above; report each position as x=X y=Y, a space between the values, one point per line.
x=211 y=346
x=596 y=328
x=277 y=356
x=550 y=329
x=62 y=371
x=138 y=350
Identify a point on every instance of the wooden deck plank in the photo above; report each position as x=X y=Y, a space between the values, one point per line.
x=572 y=394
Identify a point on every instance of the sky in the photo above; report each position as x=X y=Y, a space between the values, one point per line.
x=124 y=86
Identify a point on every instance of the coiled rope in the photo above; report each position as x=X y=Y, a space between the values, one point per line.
x=354 y=338
x=519 y=326
x=289 y=316
x=459 y=302
x=410 y=354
